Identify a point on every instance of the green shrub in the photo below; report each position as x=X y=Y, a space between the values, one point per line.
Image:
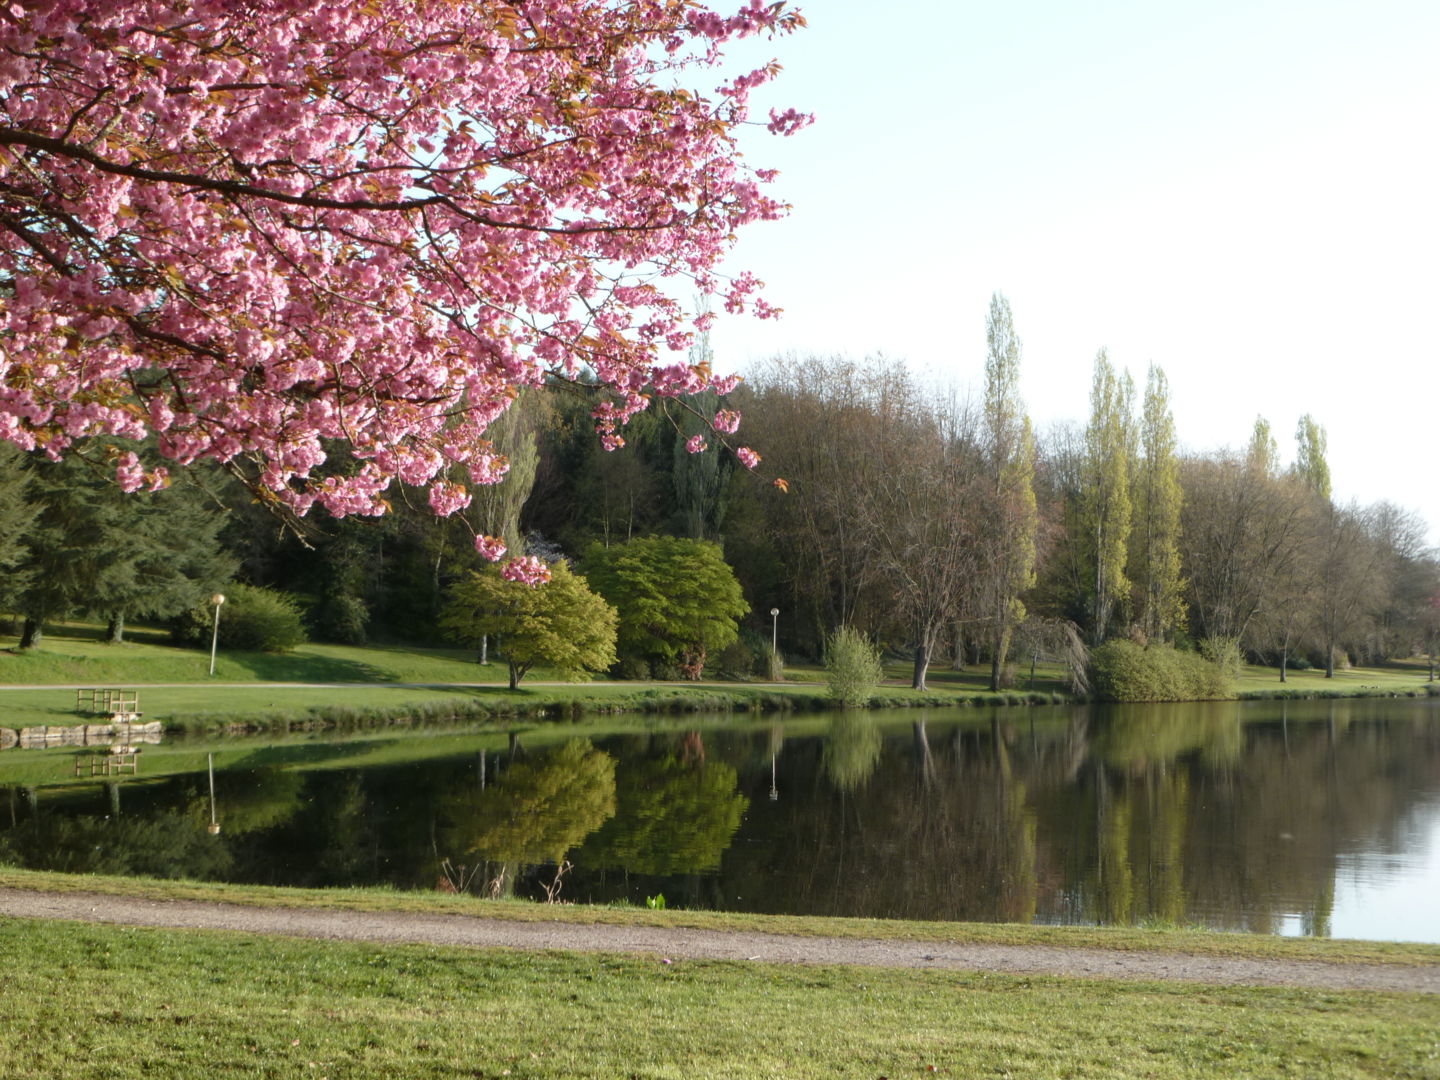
x=1224 y=653
x=251 y=620
x=1124 y=671
x=852 y=667
x=341 y=618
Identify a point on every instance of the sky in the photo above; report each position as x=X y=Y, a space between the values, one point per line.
x=1244 y=194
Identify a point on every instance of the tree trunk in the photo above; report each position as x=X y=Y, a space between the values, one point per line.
x=922 y=665
x=957 y=653
x=484 y=655
x=115 y=629
x=1284 y=658
x=998 y=655
x=1330 y=660
x=31 y=633
x=515 y=675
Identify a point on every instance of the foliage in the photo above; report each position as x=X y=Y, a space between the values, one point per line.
x=671 y=817
x=1225 y=654
x=852 y=750
x=251 y=618
x=276 y=231
x=1011 y=525
x=561 y=624
x=538 y=810
x=678 y=599
x=1107 y=506
x=1158 y=499
x=17 y=516
x=1311 y=465
x=91 y=548
x=1120 y=670
x=853 y=669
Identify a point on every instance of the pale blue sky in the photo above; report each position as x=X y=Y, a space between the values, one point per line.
x=1246 y=194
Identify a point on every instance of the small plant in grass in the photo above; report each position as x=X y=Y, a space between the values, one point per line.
x=852 y=667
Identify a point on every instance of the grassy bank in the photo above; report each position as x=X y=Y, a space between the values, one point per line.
x=360 y=686
x=88 y=1001
x=1148 y=939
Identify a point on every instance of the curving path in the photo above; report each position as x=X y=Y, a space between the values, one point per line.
x=677 y=943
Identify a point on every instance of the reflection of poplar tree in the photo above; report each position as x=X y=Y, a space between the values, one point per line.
x=1114 y=877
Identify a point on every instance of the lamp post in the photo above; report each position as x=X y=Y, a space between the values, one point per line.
x=775 y=630
x=217 y=600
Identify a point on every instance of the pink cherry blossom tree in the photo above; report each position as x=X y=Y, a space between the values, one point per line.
x=324 y=242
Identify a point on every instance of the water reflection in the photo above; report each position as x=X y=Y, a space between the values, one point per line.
x=1284 y=817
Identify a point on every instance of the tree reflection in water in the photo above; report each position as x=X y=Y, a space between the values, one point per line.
x=1232 y=816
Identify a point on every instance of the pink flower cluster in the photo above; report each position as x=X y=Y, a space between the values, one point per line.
x=527 y=570
x=261 y=231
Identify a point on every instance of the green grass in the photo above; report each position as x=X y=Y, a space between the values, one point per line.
x=76 y=654
x=1404 y=678
x=446 y=685
x=122 y=1004
x=1152 y=939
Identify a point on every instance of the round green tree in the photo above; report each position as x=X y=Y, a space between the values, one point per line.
x=561 y=624
x=678 y=599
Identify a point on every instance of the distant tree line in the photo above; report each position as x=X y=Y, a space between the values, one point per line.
x=944 y=529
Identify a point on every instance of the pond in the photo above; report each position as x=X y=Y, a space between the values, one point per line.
x=1317 y=818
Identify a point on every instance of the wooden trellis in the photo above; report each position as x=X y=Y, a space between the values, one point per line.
x=110 y=702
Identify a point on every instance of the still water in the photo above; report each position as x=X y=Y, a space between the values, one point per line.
x=1315 y=818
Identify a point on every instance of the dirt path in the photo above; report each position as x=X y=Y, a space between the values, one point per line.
x=673 y=944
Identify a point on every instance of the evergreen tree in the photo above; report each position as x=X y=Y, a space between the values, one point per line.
x=17 y=517
x=96 y=549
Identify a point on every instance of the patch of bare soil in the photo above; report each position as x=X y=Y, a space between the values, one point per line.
x=479 y=932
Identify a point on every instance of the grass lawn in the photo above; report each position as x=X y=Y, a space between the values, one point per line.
x=89 y=1001
x=1400 y=677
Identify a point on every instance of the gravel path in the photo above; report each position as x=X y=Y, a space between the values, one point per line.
x=476 y=932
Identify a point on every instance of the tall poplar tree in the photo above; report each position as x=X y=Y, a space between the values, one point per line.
x=1310 y=463
x=1156 y=556
x=1010 y=527
x=1106 y=504
x=1263 y=455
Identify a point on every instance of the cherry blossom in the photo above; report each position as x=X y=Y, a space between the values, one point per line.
x=261 y=232
x=527 y=569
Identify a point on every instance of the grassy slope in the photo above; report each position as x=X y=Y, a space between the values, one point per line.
x=87 y=1001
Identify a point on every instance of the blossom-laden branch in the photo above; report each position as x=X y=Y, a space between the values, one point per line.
x=258 y=231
